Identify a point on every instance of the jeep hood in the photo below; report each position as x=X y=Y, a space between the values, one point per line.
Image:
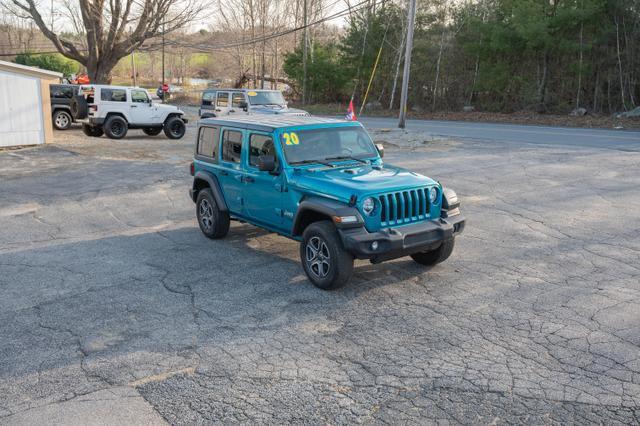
x=168 y=108
x=276 y=109
x=364 y=180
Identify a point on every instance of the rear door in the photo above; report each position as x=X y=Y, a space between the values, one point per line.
x=222 y=104
x=230 y=172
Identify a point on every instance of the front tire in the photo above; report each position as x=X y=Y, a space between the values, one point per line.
x=116 y=127
x=433 y=257
x=213 y=222
x=325 y=261
x=94 y=132
x=152 y=131
x=62 y=120
x=174 y=128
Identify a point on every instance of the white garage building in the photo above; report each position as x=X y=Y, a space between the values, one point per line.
x=25 y=107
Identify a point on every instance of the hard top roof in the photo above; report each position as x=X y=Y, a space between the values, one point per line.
x=269 y=122
x=109 y=86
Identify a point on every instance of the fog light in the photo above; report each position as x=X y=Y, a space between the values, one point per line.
x=374 y=245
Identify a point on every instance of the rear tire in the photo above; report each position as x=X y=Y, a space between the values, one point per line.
x=94 y=132
x=433 y=257
x=152 y=131
x=116 y=127
x=213 y=222
x=325 y=261
x=62 y=120
x=174 y=128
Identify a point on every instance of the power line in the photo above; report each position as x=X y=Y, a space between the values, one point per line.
x=361 y=5
x=271 y=36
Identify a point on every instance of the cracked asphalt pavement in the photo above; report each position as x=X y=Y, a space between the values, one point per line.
x=115 y=309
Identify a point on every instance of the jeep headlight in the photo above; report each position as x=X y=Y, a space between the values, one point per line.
x=433 y=194
x=368 y=206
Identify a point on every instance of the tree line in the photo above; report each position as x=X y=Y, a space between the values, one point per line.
x=494 y=55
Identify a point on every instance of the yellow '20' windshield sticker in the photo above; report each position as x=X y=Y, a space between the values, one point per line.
x=291 y=138
x=252 y=94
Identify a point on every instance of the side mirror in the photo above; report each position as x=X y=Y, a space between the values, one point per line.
x=243 y=105
x=150 y=101
x=266 y=163
x=380 y=149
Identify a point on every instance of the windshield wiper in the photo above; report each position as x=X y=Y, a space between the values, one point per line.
x=347 y=157
x=324 y=163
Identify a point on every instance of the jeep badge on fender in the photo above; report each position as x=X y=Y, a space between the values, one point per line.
x=321 y=182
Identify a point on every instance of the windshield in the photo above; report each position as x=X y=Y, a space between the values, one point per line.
x=266 y=98
x=330 y=144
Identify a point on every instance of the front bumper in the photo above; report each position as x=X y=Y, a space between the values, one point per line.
x=401 y=241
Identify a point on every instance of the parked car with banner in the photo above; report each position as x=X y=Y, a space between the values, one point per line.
x=224 y=102
x=323 y=183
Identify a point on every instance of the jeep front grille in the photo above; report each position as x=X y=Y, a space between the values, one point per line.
x=401 y=207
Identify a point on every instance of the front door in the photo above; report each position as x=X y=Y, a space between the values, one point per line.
x=262 y=190
x=230 y=173
x=141 y=111
x=237 y=99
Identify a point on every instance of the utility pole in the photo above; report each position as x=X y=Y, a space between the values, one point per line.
x=304 y=55
x=411 y=19
x=164 y=95
x=133 y=67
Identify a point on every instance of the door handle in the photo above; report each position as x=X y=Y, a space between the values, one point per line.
x=218 y=110
x=249 y=179
x=224 y=173
x=134 y=106
x=232 y=110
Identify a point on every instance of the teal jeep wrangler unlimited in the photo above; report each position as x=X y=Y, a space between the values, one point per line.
x=323 y=183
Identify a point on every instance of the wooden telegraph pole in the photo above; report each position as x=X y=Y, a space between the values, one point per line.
x=407 y=63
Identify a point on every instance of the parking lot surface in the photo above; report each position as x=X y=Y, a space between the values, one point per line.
x=115 y=308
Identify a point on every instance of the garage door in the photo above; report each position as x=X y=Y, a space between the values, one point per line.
x=21 y=120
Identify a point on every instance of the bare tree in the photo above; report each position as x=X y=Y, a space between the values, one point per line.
x=107 y=31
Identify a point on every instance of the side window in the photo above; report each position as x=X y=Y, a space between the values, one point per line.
x=223 y=99
x=68 y=92
x=208 y=142
x=231 y=146
x=139 y=96
x=55 y=91
x=208 y=98
x=113 y=95
x=260 y=145
x=236 y=99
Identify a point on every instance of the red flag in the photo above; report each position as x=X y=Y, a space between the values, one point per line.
x=351 y=112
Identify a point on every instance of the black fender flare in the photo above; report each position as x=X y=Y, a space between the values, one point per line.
x=213 y=184
x=326 y=207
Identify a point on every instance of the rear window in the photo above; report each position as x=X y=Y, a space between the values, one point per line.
x=223 y=99
x=231 y=146
x=208 y=98
x=208 y=142
x=113 y=95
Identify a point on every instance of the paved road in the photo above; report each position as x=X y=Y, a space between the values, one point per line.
x=519 y=134
x=115 y=309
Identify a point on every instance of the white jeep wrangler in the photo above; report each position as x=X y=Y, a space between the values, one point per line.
x=113 y=110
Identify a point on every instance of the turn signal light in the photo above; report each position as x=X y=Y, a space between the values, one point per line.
x=192 y=168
